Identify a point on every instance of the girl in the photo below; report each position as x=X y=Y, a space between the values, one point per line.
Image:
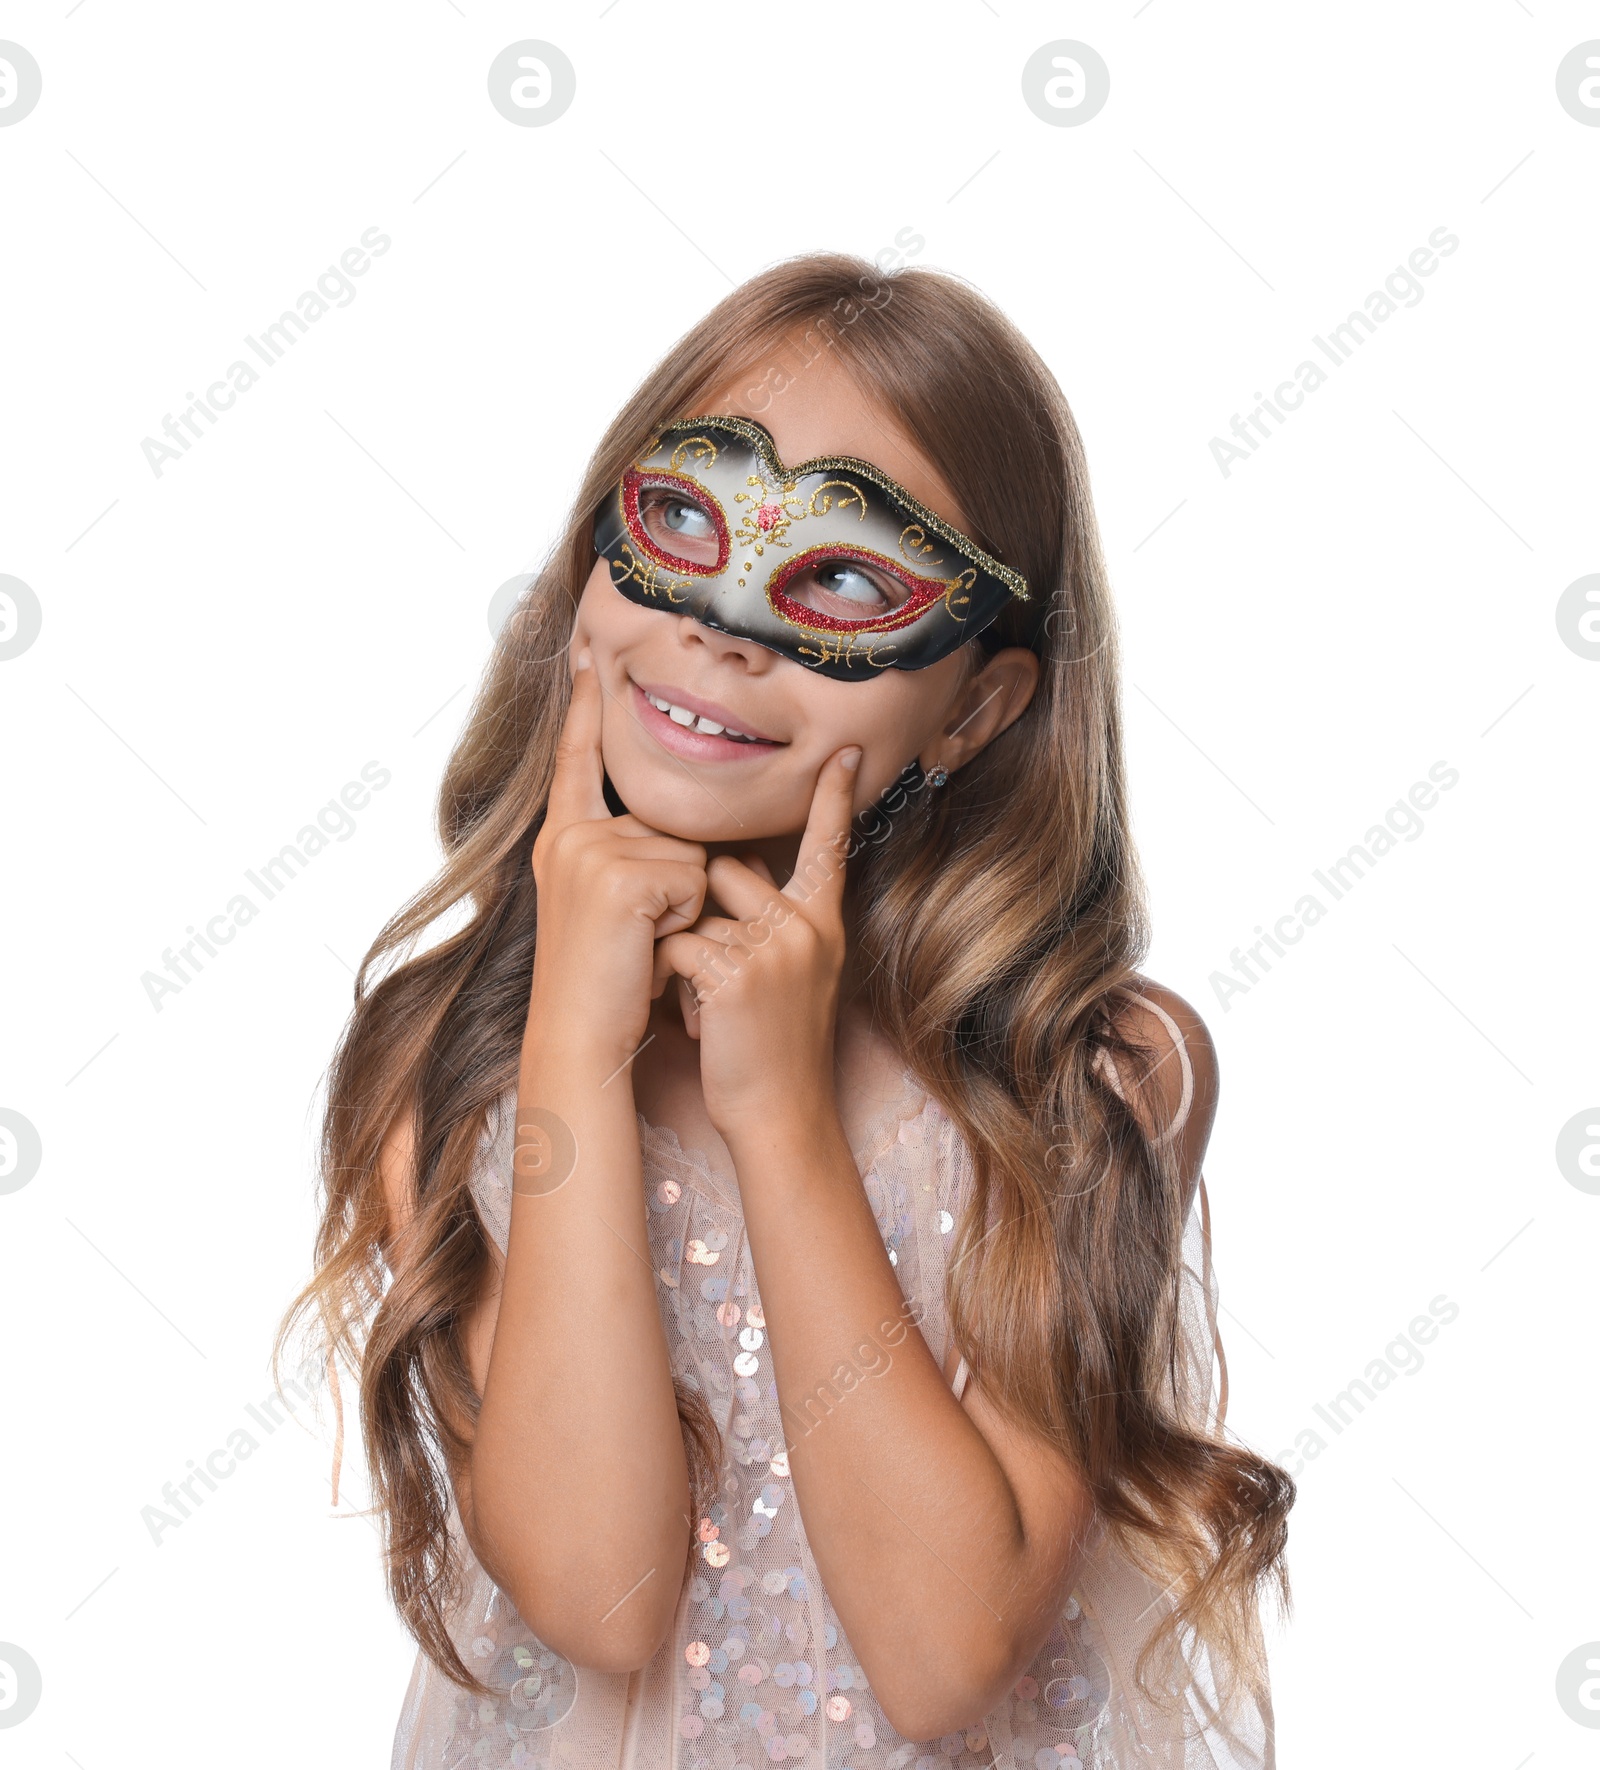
x=770 y=1227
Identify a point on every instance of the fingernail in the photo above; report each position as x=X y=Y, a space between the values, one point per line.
x=852 y=758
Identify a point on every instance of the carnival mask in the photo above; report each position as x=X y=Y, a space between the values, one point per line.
x=832 y=563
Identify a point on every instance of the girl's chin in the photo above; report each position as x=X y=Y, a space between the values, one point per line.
x=691 y=808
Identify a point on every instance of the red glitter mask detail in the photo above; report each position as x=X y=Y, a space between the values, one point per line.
x=923 y=591
x=635 y=482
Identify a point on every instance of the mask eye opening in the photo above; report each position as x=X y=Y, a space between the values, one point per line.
x=635 y=483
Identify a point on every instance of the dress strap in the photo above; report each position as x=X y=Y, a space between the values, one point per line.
x=1206 y=1286
x=959 y=1382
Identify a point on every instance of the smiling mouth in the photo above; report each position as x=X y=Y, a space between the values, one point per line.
x=699 y=722
x=696 y=736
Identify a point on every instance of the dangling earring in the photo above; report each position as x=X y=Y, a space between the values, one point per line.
x=937 y=775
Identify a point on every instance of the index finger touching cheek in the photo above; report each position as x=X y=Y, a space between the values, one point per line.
x=576 y=788
x=819 y=865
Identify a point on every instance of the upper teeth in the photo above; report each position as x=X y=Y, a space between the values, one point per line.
x=682 y=716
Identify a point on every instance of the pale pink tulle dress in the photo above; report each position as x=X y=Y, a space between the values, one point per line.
x=757 y=1669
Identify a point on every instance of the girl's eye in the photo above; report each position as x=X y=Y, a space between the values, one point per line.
x=842 y=588
x=679 y=525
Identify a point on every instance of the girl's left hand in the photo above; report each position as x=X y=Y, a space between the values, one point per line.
x=764 y=981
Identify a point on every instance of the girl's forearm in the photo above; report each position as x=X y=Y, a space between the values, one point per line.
x=579 y=1480
x=912 y=1520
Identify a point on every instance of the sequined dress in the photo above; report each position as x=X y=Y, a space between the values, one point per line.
x=757 y=1669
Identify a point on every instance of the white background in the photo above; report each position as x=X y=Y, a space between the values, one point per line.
x=226 y=644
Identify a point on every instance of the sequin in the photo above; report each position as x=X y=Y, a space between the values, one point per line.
x=483 y=1647
x=760 y=1674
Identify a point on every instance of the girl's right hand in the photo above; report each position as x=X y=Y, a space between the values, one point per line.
x=608 y=889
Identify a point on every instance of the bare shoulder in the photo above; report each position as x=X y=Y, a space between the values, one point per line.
x=1143 y=1017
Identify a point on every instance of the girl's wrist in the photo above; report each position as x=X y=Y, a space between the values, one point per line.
x=802 y=1119
x=560 y=1045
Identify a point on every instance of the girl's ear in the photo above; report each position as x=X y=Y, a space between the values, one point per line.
x=993 y=697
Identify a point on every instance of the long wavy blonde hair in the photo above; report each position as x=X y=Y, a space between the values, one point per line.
x=999 y=917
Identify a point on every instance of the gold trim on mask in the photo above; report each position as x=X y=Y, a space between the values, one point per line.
x=786 y=479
